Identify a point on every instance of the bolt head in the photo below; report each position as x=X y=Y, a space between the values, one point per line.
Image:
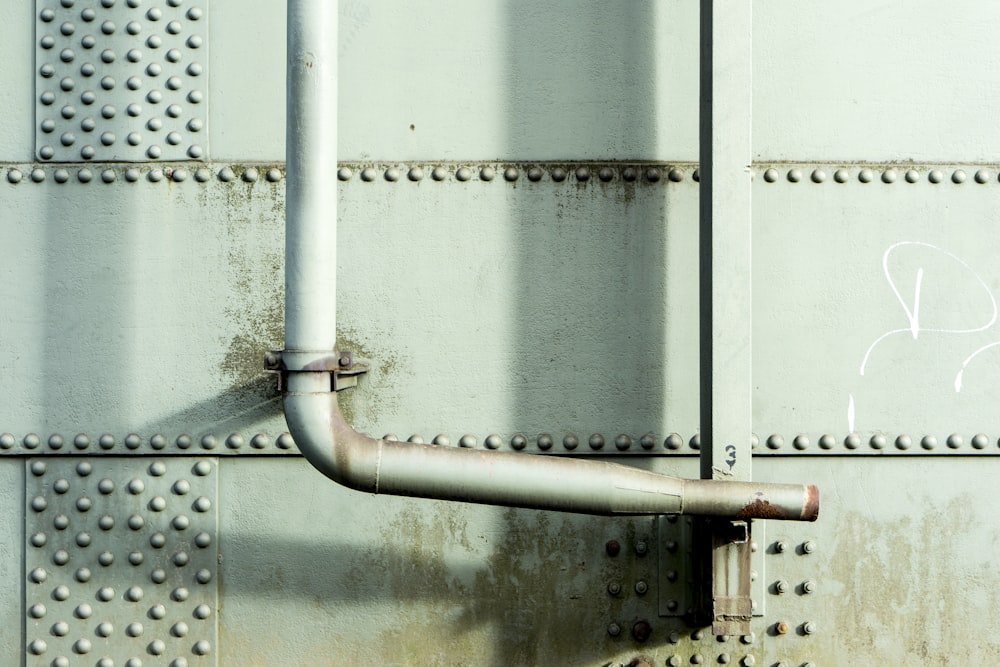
x=613 y=548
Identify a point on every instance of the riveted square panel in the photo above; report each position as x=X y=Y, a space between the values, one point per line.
x=121 y=80
x=121 y=560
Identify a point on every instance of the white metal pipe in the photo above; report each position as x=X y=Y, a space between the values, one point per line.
x=378 y=466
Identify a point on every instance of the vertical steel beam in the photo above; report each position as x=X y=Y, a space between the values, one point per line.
x=723 y=547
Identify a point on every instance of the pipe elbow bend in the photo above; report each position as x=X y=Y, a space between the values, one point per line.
x=330 y=444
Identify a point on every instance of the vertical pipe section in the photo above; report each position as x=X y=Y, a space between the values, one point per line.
x=724 y=239
x=311 y=187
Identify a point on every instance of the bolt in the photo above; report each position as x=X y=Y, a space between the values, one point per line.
x=781 y=587
x=672 y=605
x=748 y=661
x=345 y=360
x=613 y=548
x=671 y=546
x=671 y=575
x=748 y=639
x=808 y=547
x=641 y=548
x=809 y=627
x=614 y=629
x=781 y=628
x=780 y=546
x=808 y=586
x=641 y=587
x=614 y=588
x=271 y=360
x=641 y=631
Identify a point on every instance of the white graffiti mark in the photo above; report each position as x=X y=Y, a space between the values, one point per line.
x=958 y=377
x=912 y=312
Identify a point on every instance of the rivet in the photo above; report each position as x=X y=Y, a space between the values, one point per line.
x=724 y=658
x=133 y=594
x=614 y=629
x=135 y=557
x=439 y=439
x=647 y=441
x=38 y=575
x=179 y=629
x=486 y=174
x=613 y=548
x=672 y=605
x=84 y=468
x=674 y=661
x=582 y=174
x=827 y=441
x=157 y=540
x=157 y=468
x=748 y=639
x=157 y=504
x=180 y=522
x=180 y=594
x=60 y=486
x=273 y=175
x=157 y=612
x=134 y=629
x=955 y=441
x=781 y=587
x=235 y=441
x=852 y=441
x=518 y=442
x=653 y=175
x=623 y=442
x=61 y=175
x=865 y=175
x=695 y=441
x=60 y=593
x=415 y=174
x=889 y=176
x=109 y=176
x=84 y=504
x=105 y=594
x=697 y=659
x=545 y=441
x=38 y=175
x=83 y=610
x=209 y=441
x=202 y=540
x=983 y=176
x=467 y=441
x=105 y=629
x=158 y=575
x=935 y=176
x=808 y=547
x=131 y=174
x=877 y=441
x=136 y=486
x=818 y=176
x=439 y=173
x=463 y=174
x=135 y=522
x=14 y=176
x=82 y=646
x=570 y=441
x=980 y=441
x=958 y=176
x=202 y=612
x=903 y=442
x=794 y=175
x=202 y=175
x=85 y=175
x=60 y=629
x=83 y=539
x=179 y=176
x=911 y=176
x=534 y=174
x=673 y=441
x=775 y=441
x=641 y=631
x=558 y=174
x=676 y=175
x=748 y=661
x=284 y=441
x=38 y=540
x=510 y=174
x=605 y=174
x=156 y=647
x=596 y=441
x=493 y=441
x=614 y=588
x=227 y=175
x=250 y=174
x=630 y=174
x=696 y=175
x=801 y=442
x=158 y=441
x=641 y=587
x=38 y=503
x=260 y=441
x=203 y=576
x=201 y=504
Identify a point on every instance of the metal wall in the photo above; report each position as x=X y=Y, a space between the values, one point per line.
x=528 y=171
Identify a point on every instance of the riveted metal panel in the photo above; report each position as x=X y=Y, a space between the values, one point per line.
x=121 y=560
x=121 y=80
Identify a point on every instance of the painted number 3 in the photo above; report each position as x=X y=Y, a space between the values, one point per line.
x=730 y=456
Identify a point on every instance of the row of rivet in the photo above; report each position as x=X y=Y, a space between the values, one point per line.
x=544 y=442
x=866 y=175
x=582 y=174
x=108 y=442
x=133 y=174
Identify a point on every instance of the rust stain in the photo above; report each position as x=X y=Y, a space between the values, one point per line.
x=763 y=509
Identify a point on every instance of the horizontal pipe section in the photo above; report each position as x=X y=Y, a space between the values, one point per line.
x=513 y=480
